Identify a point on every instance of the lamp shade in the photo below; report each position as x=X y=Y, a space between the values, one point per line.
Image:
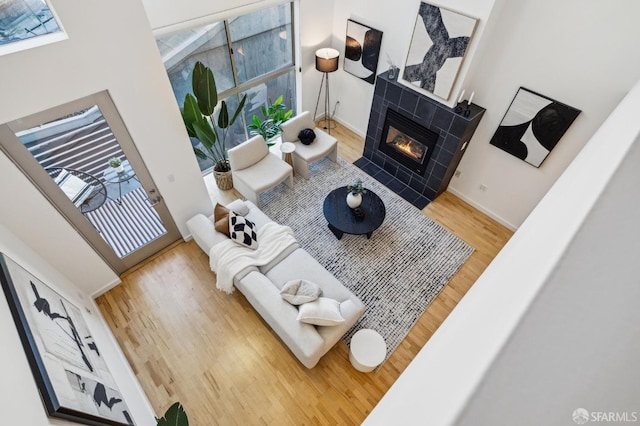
x=327 y=59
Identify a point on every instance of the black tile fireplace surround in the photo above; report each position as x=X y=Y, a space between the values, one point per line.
x=453 y=131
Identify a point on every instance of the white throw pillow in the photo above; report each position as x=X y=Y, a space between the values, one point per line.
x=242 y=230
x=239 y=207
x=75 y=188
x=322 y=311
x=298 y=292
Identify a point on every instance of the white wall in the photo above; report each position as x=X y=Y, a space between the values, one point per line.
x=316 y=22
x=19 y=398
x=577 y=52
x=574 y=51
x=578 y=346
x=107 y=49
x=396 y=20
x=551 y=325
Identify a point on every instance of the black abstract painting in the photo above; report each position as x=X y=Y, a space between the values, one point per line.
x=71 y=375
x=362 y=50
x=532 y=126
x=438 y=45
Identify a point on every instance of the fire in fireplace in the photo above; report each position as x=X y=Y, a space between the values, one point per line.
x=407 y=142
x=406 y=145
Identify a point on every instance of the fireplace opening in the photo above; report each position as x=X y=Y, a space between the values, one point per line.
x=407 y=142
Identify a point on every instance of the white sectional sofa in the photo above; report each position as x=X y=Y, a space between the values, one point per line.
x=261 y=286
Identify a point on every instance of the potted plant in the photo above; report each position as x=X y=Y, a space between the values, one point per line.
x=272 y=117
x=175 y=416
x=198 y=116
x=116 y=164
x=354 y=197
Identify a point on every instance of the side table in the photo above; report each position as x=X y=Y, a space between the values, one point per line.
x=287 y=149
x=111 y=176
x=367 y=350
x=343 y=220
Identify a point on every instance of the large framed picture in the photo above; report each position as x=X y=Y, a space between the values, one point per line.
x=532 y=126
x=69 y=370
x=438 y=45
x=362 y=50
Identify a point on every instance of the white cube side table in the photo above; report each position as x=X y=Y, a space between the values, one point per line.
x=367 y=350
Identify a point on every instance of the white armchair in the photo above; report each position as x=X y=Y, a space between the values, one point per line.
x=255 y=169
x=324 y=145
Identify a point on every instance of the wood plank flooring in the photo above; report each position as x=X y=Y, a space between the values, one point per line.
x=188 y=342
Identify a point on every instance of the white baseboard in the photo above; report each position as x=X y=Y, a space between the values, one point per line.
x=106 y=288
x=484 y=210
x=350 y=127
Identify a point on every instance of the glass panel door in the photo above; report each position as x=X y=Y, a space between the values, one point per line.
x=81 y=156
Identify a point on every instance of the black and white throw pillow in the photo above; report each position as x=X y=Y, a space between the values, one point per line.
x=242 y=230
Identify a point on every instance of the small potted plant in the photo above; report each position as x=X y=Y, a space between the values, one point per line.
x=116 y=164
x=272 y=118
x=354 y=197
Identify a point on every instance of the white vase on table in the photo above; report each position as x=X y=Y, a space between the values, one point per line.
x=354 y=200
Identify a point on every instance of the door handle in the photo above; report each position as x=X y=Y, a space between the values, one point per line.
x=155 y=200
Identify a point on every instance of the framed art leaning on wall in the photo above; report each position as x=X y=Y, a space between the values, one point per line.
x=362 y=50
x=70 y=372
x=439 y=43
x=533 y=126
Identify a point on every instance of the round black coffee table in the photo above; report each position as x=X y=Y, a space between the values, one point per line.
x=344 y=220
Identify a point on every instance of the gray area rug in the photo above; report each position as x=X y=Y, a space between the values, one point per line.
x=397 y=273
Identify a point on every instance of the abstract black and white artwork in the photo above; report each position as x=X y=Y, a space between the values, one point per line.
x=532 y=126
x=438 y=45
x=362 y=50
x=71 y=374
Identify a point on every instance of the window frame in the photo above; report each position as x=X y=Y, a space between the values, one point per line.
x=39 y=40
x=240 y=88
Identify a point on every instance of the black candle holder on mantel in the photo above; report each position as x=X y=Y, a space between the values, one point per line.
x=463 y=108
x=467 y=110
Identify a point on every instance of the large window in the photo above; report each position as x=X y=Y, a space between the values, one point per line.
x=24 y=19
x=250 y=54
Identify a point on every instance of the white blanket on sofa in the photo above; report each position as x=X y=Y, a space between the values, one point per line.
x=228 y=258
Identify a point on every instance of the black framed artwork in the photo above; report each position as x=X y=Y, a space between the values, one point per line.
x=532 y=126
x=362 y=51
x=438 y=46
x=70 y=372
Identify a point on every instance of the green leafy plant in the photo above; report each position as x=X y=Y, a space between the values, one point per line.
x=198 y=117
x=114 y=162
x=356 y=188
x=175 y=416
x=272 y=117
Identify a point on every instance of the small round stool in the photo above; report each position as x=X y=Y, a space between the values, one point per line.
x=287 y=148
x=367 y=350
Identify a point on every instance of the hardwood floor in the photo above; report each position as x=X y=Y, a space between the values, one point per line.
x=188 y=342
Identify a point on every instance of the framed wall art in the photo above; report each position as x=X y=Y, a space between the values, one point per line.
x=438 y=45
x=362 y=50
x=70 y=372
x=532 y=126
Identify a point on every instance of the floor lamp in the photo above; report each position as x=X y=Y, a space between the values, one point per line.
x=326 y=62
